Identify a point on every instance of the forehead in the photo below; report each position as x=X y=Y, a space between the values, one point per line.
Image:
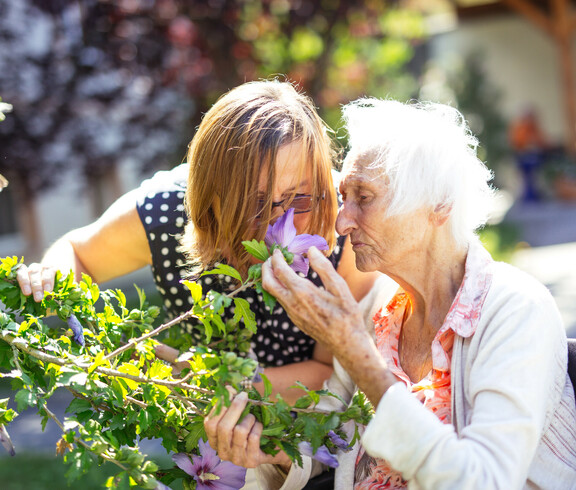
x=291 y=165
x=357 y=169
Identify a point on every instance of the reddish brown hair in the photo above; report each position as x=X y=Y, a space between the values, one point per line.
x=237 y=140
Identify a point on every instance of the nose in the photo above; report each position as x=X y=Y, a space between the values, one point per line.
x=345 y=222
x=277 y=211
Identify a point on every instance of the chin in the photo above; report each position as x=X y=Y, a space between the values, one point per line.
x=364 y=265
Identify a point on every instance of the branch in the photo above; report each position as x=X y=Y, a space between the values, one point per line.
x=184 y=316
x=24 y=347
x=20 y=344
x=80 y=442
x=133 y=342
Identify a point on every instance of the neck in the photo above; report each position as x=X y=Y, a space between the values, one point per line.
x=431 y=283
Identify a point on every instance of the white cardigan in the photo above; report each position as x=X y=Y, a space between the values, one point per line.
x=514 y=413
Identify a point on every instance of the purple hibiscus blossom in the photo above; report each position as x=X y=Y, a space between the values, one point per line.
x=77 y=329
x=209 y=471
x=322 y=454
x=283 y=233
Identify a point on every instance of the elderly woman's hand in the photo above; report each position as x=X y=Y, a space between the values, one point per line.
x=329 y=315
x=35 y=279
x=239 y=441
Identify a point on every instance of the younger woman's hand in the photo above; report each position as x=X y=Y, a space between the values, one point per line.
x=35 y=279
x=237 y=440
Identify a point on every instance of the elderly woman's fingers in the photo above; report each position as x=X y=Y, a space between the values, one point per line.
x=220 y=428
x=234 y=440
x=35 y=279
x=240 y=452
x=333 y=282
x=328 y=315
x=276 y=275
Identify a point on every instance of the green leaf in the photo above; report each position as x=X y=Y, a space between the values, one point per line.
x=267 y=385
x=219 y=301
x=275 y=430
x=225 y=270
x=243 y=312
x=144 y=420
x=303 y=402
x=266 y=416
x=78 y=405
x=25 y=399
x=257 y=249
x=217 y=320
x=195 y=290
x=291 y=450
x=196 y=433
x=269 y=300
x=207 y=328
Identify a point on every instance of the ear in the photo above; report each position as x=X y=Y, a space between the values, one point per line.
x=440 y=214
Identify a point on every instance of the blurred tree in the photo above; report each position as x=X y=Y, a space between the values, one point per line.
x=337 y=50
x=98 y=82
x=479 y=100
x=467 y=86
x=86 y=82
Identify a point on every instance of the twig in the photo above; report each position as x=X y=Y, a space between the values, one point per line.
x=48 y=358
x=133 y=342
x=136 y=402
x=184 y=316
x=80 y=442
x=187 y=402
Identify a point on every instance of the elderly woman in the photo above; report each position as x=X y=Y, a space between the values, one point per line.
x=466 y=362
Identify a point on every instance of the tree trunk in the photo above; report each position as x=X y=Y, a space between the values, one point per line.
x=28 y=223
x=105 y=189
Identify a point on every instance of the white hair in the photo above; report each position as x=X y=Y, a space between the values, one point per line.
x=428 y=156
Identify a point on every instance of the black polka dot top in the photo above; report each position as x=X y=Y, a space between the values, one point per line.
x=160 y=206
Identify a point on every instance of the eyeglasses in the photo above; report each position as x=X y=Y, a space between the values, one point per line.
x=302 y=203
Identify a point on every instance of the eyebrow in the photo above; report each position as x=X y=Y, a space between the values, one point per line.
x=290 y=189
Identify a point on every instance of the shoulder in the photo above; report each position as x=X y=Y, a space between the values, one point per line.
x=173 y=180
x=160 y=199
x=510 y=283
x=519 y=306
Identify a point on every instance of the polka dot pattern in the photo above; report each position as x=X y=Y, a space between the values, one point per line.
x=277 y=341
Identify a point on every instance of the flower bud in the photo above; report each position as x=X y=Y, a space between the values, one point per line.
x=229 y=358
x=77 y=329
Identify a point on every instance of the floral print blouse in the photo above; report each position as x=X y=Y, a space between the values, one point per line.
x=433 y=390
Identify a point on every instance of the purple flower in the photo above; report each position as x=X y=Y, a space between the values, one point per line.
x=77 y=329
x=209 y=471
x=283 y=233
x=322 y=454
x=338 y=441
